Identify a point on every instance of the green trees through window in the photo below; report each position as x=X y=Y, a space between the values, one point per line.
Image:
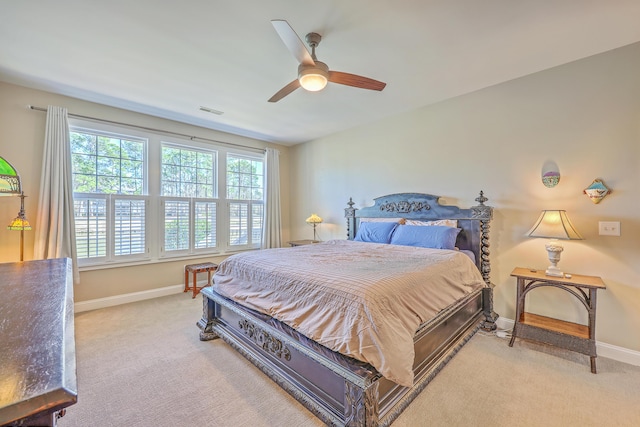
x=107 y=164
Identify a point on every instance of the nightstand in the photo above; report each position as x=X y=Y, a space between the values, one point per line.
x=302 y=242
x=567 y=335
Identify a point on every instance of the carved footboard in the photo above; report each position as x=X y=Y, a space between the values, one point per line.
x=339 y=390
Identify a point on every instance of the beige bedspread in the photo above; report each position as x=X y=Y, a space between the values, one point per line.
x=364 y=300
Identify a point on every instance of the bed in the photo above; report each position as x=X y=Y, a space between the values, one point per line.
x=338 y=379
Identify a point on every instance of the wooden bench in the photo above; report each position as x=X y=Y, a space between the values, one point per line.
x=207 y=267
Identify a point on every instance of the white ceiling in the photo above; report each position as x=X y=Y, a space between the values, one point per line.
x=168 y=58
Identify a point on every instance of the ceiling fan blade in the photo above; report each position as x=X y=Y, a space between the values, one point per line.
x=355 y=81
x=292 y=41
x=285 y=91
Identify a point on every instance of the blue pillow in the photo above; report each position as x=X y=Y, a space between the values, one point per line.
x=434 y=236
x=375 y=232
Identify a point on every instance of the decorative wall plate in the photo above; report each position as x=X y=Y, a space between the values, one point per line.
x=551 y=179
x=597 y=191
x=550 y=174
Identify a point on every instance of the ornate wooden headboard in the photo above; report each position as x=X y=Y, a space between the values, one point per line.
x=473 y=222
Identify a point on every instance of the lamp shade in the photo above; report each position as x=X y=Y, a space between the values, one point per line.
x=313 y=77
x=554 y=224
x=9 y=179
x=19 y=223
x=314 y=219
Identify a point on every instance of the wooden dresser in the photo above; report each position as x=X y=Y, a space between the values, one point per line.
x=37 y=344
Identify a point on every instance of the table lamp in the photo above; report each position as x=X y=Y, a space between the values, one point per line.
x=314 y=220
x=554 y=225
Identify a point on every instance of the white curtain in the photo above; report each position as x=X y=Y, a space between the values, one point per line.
x=272 y=233
x=55 y=227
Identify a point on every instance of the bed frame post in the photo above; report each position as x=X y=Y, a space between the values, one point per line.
x=350 y=214
x=485 y=214
x=361 y=405
x=209 y=319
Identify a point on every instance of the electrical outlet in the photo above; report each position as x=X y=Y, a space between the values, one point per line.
x=609 y=228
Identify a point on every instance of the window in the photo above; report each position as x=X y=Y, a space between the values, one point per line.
x=92 y=230
x=107 y=164
x=245 y=193
x=91 y=227
x=176 y=225
x=187 y=172
x=109 y=205
x=205 y=225
x=129 y=227
x=138 y=196
x=188 y=192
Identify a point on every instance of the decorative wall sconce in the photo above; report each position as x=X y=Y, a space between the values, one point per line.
x=597 y=191
x=550 y=174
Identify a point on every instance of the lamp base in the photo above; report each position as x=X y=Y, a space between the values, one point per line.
x=554 y=249
x=554 y=271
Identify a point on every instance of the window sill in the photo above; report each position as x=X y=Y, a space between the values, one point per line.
x=133 y=263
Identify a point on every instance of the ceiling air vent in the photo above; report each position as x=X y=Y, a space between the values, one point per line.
x=211 y=110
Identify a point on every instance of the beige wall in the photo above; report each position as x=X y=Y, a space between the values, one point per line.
x=584 y=116
x=21 y=142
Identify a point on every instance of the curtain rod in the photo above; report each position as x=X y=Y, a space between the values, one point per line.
x=168 y=132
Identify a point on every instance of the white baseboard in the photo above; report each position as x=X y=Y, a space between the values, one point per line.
x=95 y=304
x=610 y=351
x=620 y=354
x=504 y=323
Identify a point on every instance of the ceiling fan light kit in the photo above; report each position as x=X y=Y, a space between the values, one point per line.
x=313 y=75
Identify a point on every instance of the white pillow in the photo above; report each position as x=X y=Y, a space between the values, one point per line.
x=441 y=222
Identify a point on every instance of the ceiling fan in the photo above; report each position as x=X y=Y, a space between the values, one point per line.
x=313 y=75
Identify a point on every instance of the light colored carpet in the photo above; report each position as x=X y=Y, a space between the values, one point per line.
x=142 y=364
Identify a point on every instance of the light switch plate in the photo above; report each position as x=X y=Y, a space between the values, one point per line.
x=609 y=228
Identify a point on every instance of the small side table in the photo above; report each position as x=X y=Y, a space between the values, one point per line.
x=567 y=335
x=207 y=267
x=302 y=242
